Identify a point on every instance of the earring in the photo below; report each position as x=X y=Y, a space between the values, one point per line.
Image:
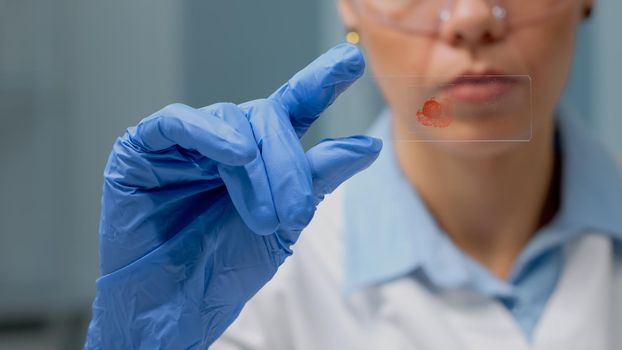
x=353 y=37
x=587 y=11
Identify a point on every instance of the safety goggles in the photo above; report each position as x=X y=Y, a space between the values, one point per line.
x=426 y=16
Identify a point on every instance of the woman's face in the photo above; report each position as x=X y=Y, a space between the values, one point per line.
x=473 y=42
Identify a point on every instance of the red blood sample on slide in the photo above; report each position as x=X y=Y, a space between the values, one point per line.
x=435 y=113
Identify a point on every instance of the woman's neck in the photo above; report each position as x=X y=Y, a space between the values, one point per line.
x=491 y=205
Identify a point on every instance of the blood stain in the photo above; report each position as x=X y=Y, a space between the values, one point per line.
x=435 y=113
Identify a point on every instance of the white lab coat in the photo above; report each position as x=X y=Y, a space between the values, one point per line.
x=304 y=307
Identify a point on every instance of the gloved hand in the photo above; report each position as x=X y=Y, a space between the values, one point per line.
x=201 y=206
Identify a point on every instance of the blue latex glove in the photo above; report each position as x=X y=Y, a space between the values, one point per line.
x=201 y=206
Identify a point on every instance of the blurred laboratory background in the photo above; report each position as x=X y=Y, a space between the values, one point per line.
x=75 y=73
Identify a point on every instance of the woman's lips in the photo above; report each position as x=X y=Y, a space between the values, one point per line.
x=479 y=88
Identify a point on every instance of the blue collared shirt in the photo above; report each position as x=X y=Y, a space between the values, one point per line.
x=391 y=234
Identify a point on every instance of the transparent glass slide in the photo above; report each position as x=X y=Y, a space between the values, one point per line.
x=468 y=108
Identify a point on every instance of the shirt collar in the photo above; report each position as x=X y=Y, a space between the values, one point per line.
x=391 y=233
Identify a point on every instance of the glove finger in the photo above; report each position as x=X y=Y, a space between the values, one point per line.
x=309 y=92
x=285 y=161
x=192 y=129
x=333 y=161
x=247 y=185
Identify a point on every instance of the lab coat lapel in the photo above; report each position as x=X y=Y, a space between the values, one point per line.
x=581 y=313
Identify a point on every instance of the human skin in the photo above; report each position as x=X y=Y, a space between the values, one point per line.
x=490 y=198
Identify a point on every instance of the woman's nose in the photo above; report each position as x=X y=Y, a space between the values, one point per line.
x=472 y=23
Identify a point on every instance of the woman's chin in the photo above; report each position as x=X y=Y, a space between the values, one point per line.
x=479 y=149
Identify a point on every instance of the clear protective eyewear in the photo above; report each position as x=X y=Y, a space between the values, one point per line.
x=426 y=16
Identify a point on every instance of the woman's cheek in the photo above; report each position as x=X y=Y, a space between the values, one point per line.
x=392 y=52
x=548 y=50
x=394 y=58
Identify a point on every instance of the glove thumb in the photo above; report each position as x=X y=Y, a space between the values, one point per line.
x=333 y=161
